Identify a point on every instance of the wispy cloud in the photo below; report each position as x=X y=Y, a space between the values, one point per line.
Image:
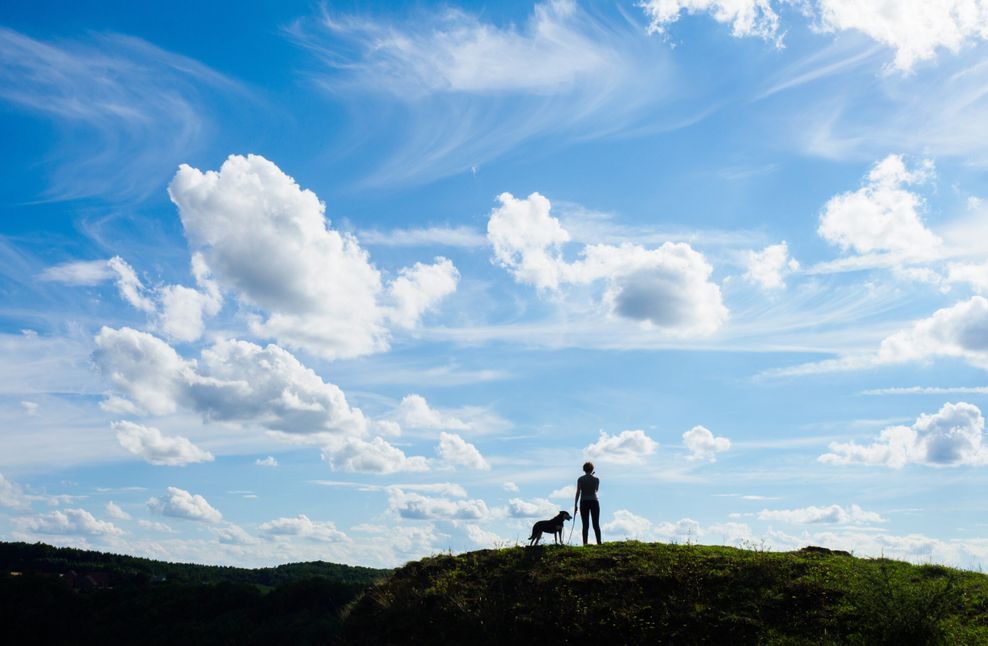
x=469 y=89
x=113 y=98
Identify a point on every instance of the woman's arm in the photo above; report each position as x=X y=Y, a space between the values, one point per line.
x=576 y=500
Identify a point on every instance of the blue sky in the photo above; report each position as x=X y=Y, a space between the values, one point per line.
x=364 y=282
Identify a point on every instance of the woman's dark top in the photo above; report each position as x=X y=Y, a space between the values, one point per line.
x=587 y=486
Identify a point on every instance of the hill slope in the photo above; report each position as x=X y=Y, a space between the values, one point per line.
x=54 y=595
x=629 y=593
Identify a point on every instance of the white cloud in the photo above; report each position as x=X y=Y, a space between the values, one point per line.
x=266 y=462
x=746 y=17
x=79 y=272
x=130 y=286
x=416 y=506
x=472 y=87
x=882 y=216
x=182 y=504
x=667 y=287
x=12 y=495
x=318 y=286
x=455 y=451
x=232 y=381
x=510 y=486
x=414 y=412
x=461 y=236
x=703 y=445
x=957 y=331
x=627 y=447
x=112 y=97
x=483 y=537
x=464 y=55
x=418 y=289
x=155 y=526
x=538 y=508
x=768 y=268
x=974 y=274
x=830 y=514
x=948 y=438
x=527 y=240
x=375 y=456
x=230 y=534
x=915 y=29
x=184 y=309
x=148 y=443
x=114 y=511
x=30 y=408
x=564 y=493
x=68 y=521
x=628 y=525
x=304 y=527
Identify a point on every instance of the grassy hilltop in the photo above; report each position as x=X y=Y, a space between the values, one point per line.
x=650 y=593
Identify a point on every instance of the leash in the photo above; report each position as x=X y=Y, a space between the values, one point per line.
x=571 y=528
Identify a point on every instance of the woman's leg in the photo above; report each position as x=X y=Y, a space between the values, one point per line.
x=585 y=517
x=595 y=513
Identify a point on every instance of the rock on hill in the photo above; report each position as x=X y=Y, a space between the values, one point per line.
x=650 y=593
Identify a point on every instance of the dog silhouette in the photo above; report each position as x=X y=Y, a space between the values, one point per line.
x=552 y=526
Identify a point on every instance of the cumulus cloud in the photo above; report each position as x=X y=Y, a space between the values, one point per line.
x=148 y=443
x=958 y=331
x=882 y=216
x=564 y=493
x=317 y=285
x=915 y=29
x=176 y=311
x=948 y=438
x=416 y=506
x=114 y=511
x=746 y=17
x=182 y=504
x=374 y=456
x=668 y=287
x=68 y=521
x=625 y=523
x=266 y=462
x=834 y=514
x=510 y=486
x=304 y=527
x=418 y=289
x=768 y=268
x=231 y=381
x=455 y=451
x=230 y=534
x=11 y=494
x=703 y=445
x=627 y=447
x=184 y=309
x=538 y=508
x=483 y=537
x=30 y=408
x=414 y=412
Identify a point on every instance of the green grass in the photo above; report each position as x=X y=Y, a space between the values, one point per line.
x=637 y=593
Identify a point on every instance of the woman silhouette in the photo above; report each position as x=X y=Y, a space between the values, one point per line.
x=586 y=498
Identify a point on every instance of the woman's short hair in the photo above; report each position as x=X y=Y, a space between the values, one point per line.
x=588 y=467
